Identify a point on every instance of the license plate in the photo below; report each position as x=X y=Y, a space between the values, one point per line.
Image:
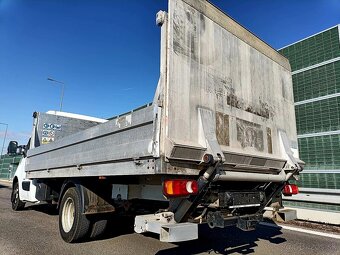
x=239 y=199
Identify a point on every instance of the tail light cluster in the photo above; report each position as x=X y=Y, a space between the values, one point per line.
x=290 y=189
x=180 y=188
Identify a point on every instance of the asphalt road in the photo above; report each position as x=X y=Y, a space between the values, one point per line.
x=35 y=231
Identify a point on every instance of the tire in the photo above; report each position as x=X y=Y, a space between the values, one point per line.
x=98 y=228
x=73 y=224
x=17 y=204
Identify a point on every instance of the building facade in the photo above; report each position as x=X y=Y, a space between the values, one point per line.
x=315 y=63
x=8 y=166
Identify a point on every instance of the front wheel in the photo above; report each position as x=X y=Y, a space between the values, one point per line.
x=17 y=204
x=73 y=224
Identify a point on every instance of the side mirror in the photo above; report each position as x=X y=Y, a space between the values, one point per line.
x=12 y=147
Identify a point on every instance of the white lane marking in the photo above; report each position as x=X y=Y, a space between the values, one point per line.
x=312 y=232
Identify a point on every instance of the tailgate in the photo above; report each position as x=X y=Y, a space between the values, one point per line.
x=226 y=92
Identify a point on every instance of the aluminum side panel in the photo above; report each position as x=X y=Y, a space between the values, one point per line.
x=125 y=138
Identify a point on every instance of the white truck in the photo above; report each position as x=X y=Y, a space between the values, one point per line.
x=217 y=144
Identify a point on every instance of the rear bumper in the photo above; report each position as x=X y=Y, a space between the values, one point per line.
x=170 y=231
x=252 y=177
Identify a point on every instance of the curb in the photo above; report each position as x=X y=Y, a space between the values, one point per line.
x=2 y=180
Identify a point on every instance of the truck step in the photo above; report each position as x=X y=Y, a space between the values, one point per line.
x=165 y=225
x=178 y=232
x=284 y=215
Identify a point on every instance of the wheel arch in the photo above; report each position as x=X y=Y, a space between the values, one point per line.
x=14 y=181
x=94 y=196
x=69 y=184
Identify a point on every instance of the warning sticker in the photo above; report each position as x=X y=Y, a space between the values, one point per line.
x=46 y=140
x=48 y=133
x=51 y=126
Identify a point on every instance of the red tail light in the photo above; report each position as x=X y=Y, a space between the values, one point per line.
x=290 y=189
x=179 y=188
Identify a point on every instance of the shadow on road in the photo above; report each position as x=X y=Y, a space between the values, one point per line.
x=220 y=241
x=4 y=186
x=44 y=208
x=117 y=226
x=226 y=241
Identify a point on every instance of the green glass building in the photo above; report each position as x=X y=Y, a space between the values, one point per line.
x=315 y=63
x=8 y=165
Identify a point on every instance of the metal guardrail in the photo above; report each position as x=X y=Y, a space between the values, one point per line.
x=333 y=171
x=320 y=196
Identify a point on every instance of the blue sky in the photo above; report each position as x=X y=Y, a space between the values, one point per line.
x=107 y=52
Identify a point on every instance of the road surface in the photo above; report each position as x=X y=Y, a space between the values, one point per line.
x=35 y=231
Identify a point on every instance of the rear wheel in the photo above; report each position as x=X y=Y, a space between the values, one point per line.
x=17 y=204
x=73 y=224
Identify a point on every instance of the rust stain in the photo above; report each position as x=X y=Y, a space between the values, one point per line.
x=185 y=41
x=269 y=141
x=250 y=134
x=233 y=101
x=262 y=110
x=222 y=128
x=123 y=121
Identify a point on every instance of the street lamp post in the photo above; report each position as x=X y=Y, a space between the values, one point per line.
x=62 y=90
x=3 y=143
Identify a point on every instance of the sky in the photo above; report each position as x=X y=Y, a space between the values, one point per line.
x=107 y=51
